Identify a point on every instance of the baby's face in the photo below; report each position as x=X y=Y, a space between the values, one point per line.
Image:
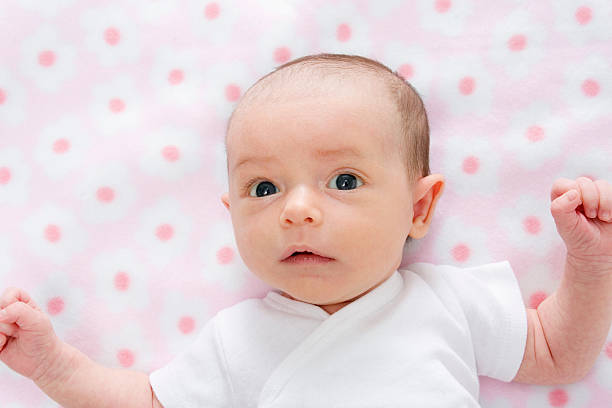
x=290 y=193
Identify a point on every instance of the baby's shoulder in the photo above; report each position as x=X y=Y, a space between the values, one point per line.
x=446 y=280
x=431 y=275
x=444 y=270
x=426 y=270
x=246 y=308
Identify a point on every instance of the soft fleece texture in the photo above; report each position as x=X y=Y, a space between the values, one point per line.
x=112 y=116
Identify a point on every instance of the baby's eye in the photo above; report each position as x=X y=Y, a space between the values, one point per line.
x=262 y=189
x=345 y=181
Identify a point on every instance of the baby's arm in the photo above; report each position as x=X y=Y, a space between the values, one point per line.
x=29 y=346
x=76 y=381
x=568 y=329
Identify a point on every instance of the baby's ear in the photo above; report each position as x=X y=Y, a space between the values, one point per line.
x=225 y=200
x=427 y=192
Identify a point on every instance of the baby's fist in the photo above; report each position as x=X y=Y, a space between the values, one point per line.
x=581 y=209
x=28 y=344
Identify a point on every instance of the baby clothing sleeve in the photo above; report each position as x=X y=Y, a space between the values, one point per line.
x=493 y=306
x=487 y=299
x=196 y=377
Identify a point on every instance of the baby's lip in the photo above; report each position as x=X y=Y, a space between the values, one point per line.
x=301 y=248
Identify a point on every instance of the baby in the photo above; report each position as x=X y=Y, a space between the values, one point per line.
x=328 y=179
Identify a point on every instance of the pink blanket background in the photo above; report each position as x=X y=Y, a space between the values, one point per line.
x=112 y=118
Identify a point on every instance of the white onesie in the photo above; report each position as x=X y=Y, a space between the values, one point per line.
x=420 y=339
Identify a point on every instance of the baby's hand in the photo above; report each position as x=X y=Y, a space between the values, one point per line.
x=28 y=344
x=584 y=222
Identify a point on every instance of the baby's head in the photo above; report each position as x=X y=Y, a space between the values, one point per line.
x=331 y=152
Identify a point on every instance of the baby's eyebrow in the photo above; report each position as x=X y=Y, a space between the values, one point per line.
x=347 y=151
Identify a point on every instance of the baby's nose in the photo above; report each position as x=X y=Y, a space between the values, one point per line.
x=295 y=220
x=301 y=209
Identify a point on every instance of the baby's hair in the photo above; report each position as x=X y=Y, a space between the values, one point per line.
x=414 y=130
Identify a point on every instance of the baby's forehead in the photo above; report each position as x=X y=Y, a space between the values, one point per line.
x=328 y=113
x=284 y=97
x=330 y=92
x=296 y=131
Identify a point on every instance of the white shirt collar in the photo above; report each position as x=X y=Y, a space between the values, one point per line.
x=379 y=296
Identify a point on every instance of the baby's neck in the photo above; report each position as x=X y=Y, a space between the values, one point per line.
x=334 y=307
x=330 y=309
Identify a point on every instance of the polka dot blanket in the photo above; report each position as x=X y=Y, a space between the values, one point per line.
x=112 y=163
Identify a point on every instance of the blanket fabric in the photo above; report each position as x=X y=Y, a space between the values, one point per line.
x=112 y=164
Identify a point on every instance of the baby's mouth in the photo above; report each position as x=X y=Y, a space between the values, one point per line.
x=302 y=251
x=297 y=253
x=306 y=257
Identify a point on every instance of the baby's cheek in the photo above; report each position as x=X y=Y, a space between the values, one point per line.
x=246 y=240
x=365 y=239
x=387 y=237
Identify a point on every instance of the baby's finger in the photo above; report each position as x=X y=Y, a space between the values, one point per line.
x=561 y=186
x=605 y=199
x=8 y=329
x=12 y=295
x=22 y=315
x=3 y=340
x=590 y=196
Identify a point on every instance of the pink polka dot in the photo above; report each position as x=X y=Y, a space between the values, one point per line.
x=282 y=55
x=590 y=87
x=406 y=71
x=125 y=357
x=536 y=298
x=461 y=252
x=532 y=225
x=171 y=153
x=535 y=133
x=176 y=76
x=558 y=397
x=186 y=324
x=583 y=15
x=116 y=105
x=61 y=146
x=343 y=32
x=467 y=85
x=53 y=233
x=164 y=232
x=105 y=194
x=2 y=96
x=609 y=350
x=5 y=175
x=225 y=255
x=517 y=42
x=232 y=92
x=46 y=58
x=112 y=36
x=470 y=165
x=442 y=6
x=122 y=281
x=211 y=11
x=55 y=306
